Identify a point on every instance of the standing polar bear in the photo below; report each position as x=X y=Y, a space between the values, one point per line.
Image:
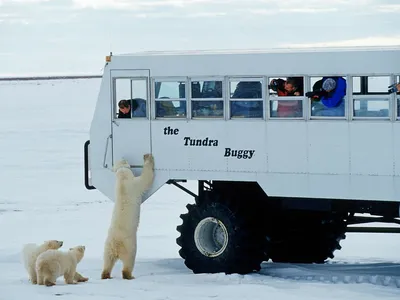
x=31 y=251
x=54 y=263
x=121 y=242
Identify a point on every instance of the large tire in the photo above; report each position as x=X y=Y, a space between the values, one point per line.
x=238 y=249
x=311 y=241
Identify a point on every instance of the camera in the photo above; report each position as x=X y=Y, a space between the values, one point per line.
x=318 y=93
x=393 y=88
x=273 y=86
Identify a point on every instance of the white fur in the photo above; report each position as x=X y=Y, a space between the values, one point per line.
x=31 y=251
x=121 y=242
x=53 y=263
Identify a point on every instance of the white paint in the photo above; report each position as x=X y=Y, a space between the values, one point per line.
x=326 y=158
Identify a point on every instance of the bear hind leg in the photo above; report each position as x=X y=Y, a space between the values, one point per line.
x=109 y=262
x=128 y=261
x=48 y=282
x=127 y=268
x=40 y=279
x=32 y=275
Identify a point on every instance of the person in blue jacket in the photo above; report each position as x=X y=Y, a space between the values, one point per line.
x=331 y=95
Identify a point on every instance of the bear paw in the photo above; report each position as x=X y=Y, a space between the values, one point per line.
x=83 y=279
x=148 y=158
x=127 y=275
x=105 y=275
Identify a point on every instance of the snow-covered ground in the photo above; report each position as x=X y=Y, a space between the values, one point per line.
x=43 y=126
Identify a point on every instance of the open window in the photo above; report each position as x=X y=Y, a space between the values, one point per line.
x=327 y=96
x=130 y=98
x=286 y=96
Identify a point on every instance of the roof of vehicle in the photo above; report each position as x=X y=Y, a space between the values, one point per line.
x=268 y=50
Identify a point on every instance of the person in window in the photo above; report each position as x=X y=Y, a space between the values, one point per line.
x=131 y=108
x=292 y=86
x=330 y=95
x=138 y=107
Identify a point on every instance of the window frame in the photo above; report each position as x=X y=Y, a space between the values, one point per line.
x=384 y=96
x=115 y=109
x=252 y=78
x=223 y=98
x=162 y=79
x=270 y=98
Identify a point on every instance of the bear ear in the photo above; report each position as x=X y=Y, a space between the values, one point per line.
x=71 y=248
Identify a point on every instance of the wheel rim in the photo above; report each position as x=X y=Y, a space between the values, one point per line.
x=211 y=237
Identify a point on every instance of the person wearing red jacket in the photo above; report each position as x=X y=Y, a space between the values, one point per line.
x=292 y=86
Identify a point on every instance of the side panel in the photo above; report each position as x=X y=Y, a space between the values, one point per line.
x=315 y=159
x=372 y=160
x=287 y=147
x=100 y=148
x=215 y=146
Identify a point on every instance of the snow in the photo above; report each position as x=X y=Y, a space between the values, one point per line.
x=43 y=126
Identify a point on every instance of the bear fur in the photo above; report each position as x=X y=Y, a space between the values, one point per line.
x=55 y=263
x=31 y=251
x=121 y=242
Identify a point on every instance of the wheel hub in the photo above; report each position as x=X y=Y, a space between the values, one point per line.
x=211 y=237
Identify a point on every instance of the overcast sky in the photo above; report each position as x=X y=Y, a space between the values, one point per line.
x=74 y=36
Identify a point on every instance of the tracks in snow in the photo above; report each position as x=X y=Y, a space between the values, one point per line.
x=385 y=274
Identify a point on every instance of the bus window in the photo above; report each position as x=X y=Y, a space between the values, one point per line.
x=370 y=96
x=327 y=96
x=286 y=87
x=246 y=99
x=170 y=99
x=207 y=100
x=130 y=98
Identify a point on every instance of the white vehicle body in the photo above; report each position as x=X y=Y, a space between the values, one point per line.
x=351 y=157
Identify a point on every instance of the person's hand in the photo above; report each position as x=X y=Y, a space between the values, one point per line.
x=315 y=98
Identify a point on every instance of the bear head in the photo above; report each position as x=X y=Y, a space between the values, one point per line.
x=79 y=251
x=53 y=244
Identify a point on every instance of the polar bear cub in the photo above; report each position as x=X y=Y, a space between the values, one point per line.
x=121 y=241
x=31 y=251
x=54 y=263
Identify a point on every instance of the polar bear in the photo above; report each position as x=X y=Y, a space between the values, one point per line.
x=31 y=251
x=52 y=264
x=121 y=241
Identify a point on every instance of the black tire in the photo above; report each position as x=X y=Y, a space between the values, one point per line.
x=243 y=252
x=313 y=242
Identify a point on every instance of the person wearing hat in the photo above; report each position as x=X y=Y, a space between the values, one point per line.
x=332 y=94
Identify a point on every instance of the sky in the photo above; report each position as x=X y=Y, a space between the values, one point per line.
x=74 y=36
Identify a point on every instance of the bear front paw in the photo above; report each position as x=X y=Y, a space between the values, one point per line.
x=148 y=158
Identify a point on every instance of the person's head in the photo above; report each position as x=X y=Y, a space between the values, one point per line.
x=329 y=84
x=124 y=106
x=291 y=85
